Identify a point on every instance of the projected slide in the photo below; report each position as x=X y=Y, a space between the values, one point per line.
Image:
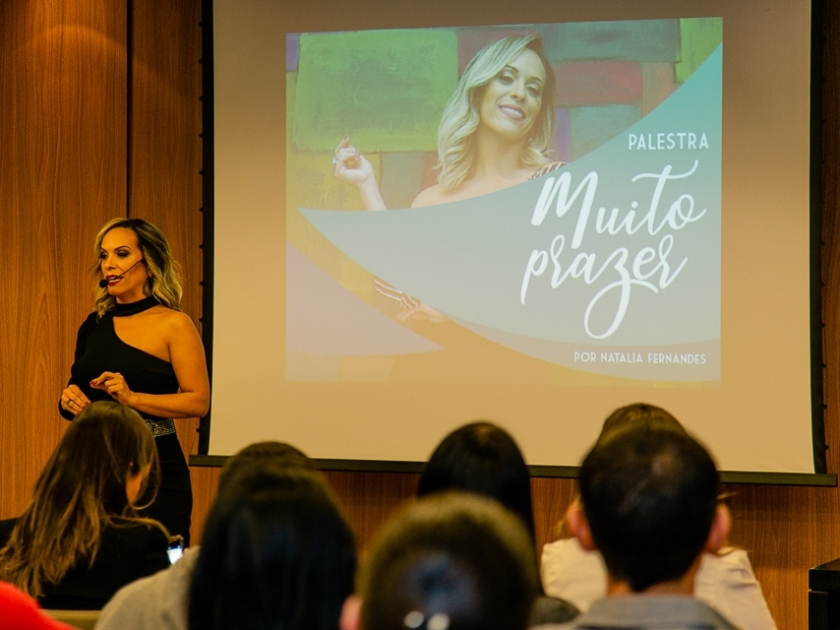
x=520 y=204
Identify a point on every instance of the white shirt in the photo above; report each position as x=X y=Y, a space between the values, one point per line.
x=725 y=582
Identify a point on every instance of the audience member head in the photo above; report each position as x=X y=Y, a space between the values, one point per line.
x=451 y=561
x=105 y=460
x=276 y=553
x=649 y=504
x=276 y=454
x=639 y=414
x=483 y=459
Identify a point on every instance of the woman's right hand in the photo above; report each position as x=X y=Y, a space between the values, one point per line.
x=74 y=400
x=351 y=167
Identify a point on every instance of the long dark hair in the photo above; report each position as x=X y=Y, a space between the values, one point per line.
x=483 y=459
x=276 y=553
x=80 y=491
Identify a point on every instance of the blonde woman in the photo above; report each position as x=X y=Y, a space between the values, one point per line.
x=140 y=349
x=496 y=129
x=80 y=539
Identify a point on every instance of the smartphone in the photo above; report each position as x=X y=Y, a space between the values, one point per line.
x=175 y=551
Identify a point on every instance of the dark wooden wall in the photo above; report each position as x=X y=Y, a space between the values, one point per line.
x=100 y=117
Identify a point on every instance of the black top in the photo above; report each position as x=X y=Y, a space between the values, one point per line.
x=99 y=349
x=125 y=554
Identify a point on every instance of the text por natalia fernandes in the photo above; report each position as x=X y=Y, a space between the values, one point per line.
x=672 y=358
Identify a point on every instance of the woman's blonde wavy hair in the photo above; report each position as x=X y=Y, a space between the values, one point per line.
x=461 y=116
x=164 y=282
x=81 y=491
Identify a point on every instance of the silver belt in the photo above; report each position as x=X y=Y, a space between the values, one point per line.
x=161 y=427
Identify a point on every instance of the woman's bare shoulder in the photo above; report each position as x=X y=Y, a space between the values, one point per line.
x=175 y=322
x=430 y=196
x=181 y=321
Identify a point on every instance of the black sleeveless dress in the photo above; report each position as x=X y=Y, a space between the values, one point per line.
x=99 y=349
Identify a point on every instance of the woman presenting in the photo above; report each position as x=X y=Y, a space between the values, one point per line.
x=140 y=349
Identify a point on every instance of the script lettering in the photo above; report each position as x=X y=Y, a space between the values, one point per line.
x=648 y=267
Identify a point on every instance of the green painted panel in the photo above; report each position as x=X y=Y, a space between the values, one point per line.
x=643 y=41
x=699 y=37
x=385 y=89
x=590 y=127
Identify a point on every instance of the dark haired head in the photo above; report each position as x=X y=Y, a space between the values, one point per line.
x=639 y=414
x=649 y=496
x=276 y=454
x=452 y=557
x=481 y=458
x=276 y=553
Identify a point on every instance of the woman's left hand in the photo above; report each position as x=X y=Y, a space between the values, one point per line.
x=114 y=384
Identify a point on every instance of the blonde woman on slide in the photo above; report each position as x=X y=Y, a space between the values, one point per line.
x=496 y=129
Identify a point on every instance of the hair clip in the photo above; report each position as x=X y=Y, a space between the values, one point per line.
x=415 y=619
x=438 y=621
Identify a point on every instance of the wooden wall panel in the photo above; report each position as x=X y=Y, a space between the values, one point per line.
x=368 y=499
x=62 y=174
x=165 y=143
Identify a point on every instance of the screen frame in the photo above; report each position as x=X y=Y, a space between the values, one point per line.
x=819 y=478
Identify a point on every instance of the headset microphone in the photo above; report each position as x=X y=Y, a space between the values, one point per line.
x=104 y=282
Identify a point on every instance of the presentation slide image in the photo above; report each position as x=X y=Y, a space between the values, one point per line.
x=602 y=267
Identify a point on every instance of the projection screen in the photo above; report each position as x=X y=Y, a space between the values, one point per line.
x=419 y=214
